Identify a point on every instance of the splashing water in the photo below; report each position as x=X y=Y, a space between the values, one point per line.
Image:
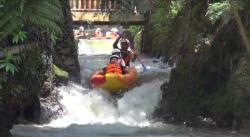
x=84 y=106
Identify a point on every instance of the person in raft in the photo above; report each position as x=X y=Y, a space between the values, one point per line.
x=98 y=33
x=81 y=33
x=114 y=66
x=118 y=53
x=127 y=53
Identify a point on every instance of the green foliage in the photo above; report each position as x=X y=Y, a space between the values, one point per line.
x=136 y=32
x=175 y=7
x=19 y=37
x=45 y=14
x=19 y=88
x=59 y=72
x=7 y=64
x=1 y=3
x=219 y=10
x=234 y=96
x=163 y=22
x=135 y=29
x=31 y=65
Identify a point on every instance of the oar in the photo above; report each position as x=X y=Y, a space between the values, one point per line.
x=139 y=59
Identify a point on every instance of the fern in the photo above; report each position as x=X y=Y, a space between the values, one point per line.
x=45 y=14
x=219 y=10
x=7 y=64
x=19 y=37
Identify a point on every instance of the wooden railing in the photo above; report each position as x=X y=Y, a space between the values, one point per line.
x=92 y=5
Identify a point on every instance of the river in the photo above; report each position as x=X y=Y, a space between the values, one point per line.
x=92 y=113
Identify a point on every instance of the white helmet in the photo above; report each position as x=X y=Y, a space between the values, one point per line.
x=114 y=56
x=114 y=30
x=116 y=52
x=81 y=28
x=108 y=33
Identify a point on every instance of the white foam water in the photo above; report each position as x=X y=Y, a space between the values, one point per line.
x=84 y=106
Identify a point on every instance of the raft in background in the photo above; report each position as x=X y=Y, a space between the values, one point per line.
x=114 y=82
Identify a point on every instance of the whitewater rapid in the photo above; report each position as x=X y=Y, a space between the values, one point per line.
x=92 y=113
x=83 y=105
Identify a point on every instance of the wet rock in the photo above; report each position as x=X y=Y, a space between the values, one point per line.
x=69 y=61
x=50 y=107
x=66 y=51
x=9 y=109
x=5 y=133
x=212 y=83
x=32 y=112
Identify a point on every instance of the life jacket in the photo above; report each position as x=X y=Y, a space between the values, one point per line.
x=98 y=34
x=114 y=68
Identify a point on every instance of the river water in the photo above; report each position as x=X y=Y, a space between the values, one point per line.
x=92 y=113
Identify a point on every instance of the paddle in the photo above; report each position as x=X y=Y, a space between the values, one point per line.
x=139 y=59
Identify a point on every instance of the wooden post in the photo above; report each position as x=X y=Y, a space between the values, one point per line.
x=71 y=4
x=92 y=4
x=74 y=4
x=239 y=24
x=85 y=4
x=89 y=4
x=80 y=4
x=98 y=4
x=115 y=3
x=109 y=4
x=95 y=4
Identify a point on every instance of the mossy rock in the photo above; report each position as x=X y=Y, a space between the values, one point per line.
x=59 y=72
x=239 y=88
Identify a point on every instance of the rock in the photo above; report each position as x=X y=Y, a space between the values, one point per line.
x=50 y=107
x=66 y=51
x=69 y=61
x=9 y=110
x=5 y=133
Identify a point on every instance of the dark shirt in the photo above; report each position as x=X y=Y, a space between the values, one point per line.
x=124 y=53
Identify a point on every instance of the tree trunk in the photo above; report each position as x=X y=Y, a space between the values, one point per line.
x=240 y=26
x=66 y=49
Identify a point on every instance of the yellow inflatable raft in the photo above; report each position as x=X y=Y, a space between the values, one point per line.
x=114 y=82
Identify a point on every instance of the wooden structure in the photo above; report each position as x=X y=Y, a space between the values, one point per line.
x=92 y=5
x=100 y=12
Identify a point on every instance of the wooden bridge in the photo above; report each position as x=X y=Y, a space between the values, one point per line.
x=101 y=12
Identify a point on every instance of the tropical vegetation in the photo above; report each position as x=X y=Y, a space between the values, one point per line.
x=207 y=40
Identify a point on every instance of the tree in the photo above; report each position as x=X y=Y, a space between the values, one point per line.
x=66 y=45
x=240 y=26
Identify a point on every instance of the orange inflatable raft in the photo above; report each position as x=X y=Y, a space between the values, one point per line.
x=114 y=82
